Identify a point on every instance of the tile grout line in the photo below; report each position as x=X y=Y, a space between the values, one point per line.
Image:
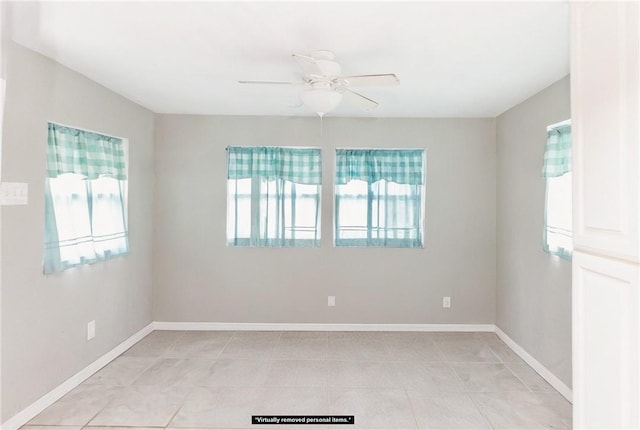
x=518 y=378
x=506 y=365
x=413 y=409
x=553 y=389
x=143 y=370
x=479 y=409
x=99 y=412
x=466 y=393
x=224 y=346
x=449 y=364
x=179 y=408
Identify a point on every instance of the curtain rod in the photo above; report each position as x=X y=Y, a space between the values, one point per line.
x=559 y=124
x=86 y=129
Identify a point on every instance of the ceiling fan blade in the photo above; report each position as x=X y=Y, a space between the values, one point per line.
x=273 y=82
x=358 y=100
x=307 y=64
x=387 y=79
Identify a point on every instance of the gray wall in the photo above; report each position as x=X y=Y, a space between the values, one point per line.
x=198 y=278
x=44 y=318
x=533 y=289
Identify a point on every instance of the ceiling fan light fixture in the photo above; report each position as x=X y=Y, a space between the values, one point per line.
x=324 y=86
x=321 y=100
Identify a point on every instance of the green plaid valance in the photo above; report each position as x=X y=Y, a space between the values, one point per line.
x=557 y=157
x=298 y=165
x=89 y=154
x=402 y=166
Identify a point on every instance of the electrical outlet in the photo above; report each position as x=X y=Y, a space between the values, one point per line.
x=446 y=302
x=331 y=301
x=91 y=330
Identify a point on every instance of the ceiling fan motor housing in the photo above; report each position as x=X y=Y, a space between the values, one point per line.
x=326 y=64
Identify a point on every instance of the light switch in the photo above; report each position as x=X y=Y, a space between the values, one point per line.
x=14 y=193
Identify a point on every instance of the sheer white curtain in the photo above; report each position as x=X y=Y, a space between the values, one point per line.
x=558 y=226
x=85 y=193
x=379 y=199
x=273 y=196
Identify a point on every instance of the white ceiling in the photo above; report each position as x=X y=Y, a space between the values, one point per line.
x=453 y=59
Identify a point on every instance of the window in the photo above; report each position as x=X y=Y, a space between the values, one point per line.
x=85 y=198
x=557 y=232
x=273 y=196
x=379 y=197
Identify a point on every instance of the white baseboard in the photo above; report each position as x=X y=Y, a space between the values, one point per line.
x=27 y=414
x=536 y=365
x=203 y=326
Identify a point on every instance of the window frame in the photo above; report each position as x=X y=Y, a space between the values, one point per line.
x=563 y=253
x=256 y=184
x=369 y=242
x=123 y=186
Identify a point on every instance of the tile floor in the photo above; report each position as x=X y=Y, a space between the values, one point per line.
x=387 y=380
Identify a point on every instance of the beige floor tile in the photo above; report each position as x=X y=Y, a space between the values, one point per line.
x=486 y=377
x=524 y=410
x=492 y=339
x=121 y=371
x=29 y=427
x=118 y=428
x=446 y=411
x=471 y=350
x=142 y=406
x=357 y=346
x=428 y=378
x=204 y=428
x=210 y=428
x=154 y=344
x=362 y=374
x=463 y=335
x=419 y=336
x=251 y=345
x=199 y=428
x=199 y=344
x=78 y=407
x=237 y=373
x=293 y=401
x=215 y=407
x=298 y=373
x=530 y=377
x=302 y=334
x=301 y=346
x=175 y=371
x=412 y=348
x=505 y=354
x=373 y=408
x=356 y=335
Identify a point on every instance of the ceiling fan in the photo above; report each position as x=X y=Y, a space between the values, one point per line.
x=324 y=87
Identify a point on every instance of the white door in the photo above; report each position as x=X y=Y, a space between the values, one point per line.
x=606 y=298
